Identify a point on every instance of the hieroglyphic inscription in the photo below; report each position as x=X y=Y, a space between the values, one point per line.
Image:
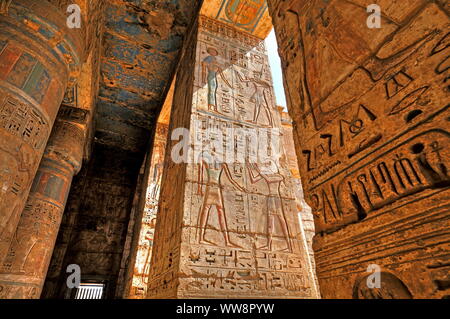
x=380 y=96
x=243 y=271
x=370 y=116
x=23 y=121
x=242 y=232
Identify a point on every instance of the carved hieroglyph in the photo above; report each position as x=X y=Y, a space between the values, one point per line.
x=370 y=112
x=240 y=233
x=39 y=55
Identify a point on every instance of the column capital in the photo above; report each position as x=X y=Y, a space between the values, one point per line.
x=66 y=143
x=47 y=23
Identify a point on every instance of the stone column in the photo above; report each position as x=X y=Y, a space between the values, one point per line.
x=39 y=57
x=371 y=127
x=305 y=212
x=25 y=267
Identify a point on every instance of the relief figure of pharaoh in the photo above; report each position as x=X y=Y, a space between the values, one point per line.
x=269 y=173
x=213 y=196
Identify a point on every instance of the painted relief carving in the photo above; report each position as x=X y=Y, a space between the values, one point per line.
x=236 y=228
x=360 y=126
x=73 y=114
x=408 y=169
x=269 y=173
x=71 y=97
x=260 y=97
x=31 y=247
x=30 y=251
x=24 y=122
x=213 y=197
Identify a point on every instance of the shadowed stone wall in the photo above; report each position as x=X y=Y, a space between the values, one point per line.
x=94 y=225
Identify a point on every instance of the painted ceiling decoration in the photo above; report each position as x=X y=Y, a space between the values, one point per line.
x=251 y=16
x=141 y=45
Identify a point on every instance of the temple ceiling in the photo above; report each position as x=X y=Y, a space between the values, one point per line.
x=141 y=45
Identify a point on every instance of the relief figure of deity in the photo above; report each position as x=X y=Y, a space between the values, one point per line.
x=210 y=70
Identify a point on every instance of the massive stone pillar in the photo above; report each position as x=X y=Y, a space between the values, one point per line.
x=370 y=111
x=305 y=212
x=25 y=267
x=227 y=224
x=39 y=56
x=141 y=229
